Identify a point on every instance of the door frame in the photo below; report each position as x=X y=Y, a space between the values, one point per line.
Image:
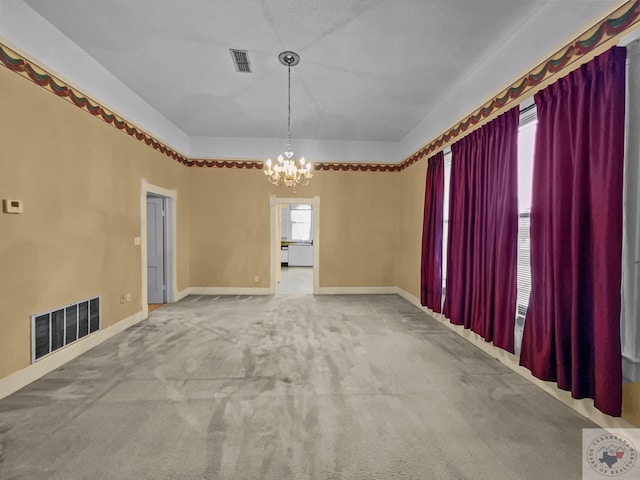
x=171 y=200
x=274 y=236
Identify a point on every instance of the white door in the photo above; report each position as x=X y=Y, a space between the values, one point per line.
x=155 y=250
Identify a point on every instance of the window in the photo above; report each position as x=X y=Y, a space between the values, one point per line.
x=301 y=221
x=526 y=143
x=445 y=218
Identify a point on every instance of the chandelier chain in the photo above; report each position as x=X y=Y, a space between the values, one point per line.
x=288 y=169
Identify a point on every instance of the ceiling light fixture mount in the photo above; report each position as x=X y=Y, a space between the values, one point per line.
x=288 y=170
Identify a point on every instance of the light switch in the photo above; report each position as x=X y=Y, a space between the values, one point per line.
x=12 y=206
x=136 y=240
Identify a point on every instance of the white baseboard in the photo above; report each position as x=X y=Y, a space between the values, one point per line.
x=356 y=290
x=24 y=377
x=267 y=291
x=182 y=294
x=229 y=291
x=584 y=407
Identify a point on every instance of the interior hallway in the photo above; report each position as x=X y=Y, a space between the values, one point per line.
x=287 y=387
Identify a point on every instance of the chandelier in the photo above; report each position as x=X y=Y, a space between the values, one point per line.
x=288 y=170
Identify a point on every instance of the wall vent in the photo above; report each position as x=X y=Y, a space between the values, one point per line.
x=64 y=325
x=241 y=60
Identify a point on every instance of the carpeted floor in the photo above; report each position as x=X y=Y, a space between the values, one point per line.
x=287 y=387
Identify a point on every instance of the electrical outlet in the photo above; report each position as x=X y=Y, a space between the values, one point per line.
x=128 y=297
x=123 y=298
x=256 y=279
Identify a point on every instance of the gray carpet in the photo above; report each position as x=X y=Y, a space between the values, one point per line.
x=292 y=387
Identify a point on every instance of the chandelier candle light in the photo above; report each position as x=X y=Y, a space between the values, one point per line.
x=288 y=170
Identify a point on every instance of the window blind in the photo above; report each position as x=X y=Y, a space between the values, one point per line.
x=524 y=264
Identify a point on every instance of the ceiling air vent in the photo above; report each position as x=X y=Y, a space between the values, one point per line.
x=241 y=60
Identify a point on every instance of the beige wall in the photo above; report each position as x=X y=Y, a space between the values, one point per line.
x=631 y=402
x=80 y=181
x=229 y=221
x=410 y=249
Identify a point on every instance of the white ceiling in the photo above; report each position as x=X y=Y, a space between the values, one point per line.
x=371 y=71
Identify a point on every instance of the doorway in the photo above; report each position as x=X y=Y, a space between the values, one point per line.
x=295 y=250
x=158 y=240
x=295 y=276
x=156 y=250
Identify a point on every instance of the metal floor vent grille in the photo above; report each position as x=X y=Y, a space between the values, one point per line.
x=64 y=325
x=241 y=60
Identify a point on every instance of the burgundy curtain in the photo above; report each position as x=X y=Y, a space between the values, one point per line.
x=572 y=330
x=483 y=231
x=431 y=265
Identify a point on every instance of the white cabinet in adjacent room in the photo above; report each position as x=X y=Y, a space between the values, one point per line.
x=301 y=255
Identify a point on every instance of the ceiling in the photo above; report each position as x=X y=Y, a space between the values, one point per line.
x=370 y=70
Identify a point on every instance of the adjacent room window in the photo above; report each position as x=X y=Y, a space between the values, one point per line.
x=526 y=142
x=301 y=222
x=445 y=217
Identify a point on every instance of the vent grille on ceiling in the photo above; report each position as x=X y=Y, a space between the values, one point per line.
x=241 y=60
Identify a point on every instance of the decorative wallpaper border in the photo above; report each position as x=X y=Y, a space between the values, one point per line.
x=357 y=167
x=613 y=25
x=248 y=164
x=317 y=166
x=13 y=61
